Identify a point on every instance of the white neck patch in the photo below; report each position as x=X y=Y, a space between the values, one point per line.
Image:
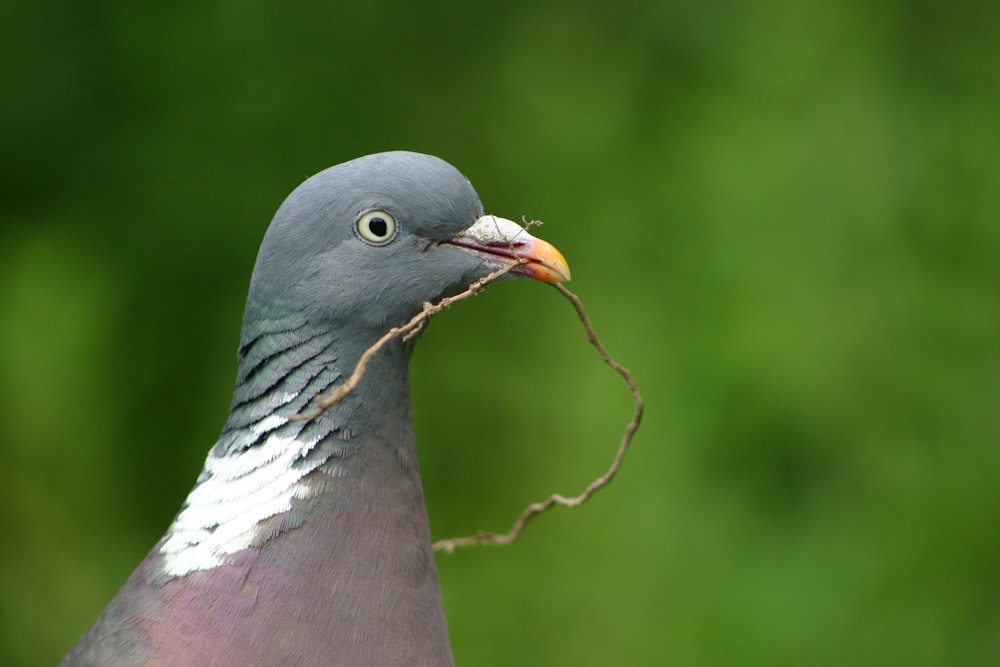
x=222 y=513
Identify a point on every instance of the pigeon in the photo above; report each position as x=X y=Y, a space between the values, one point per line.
x=306 y=541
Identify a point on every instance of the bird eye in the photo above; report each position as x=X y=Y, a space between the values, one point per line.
x=377 y=227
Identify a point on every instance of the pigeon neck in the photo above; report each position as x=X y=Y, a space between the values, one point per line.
x=266 y=465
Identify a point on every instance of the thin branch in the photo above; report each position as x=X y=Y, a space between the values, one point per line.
x=413 y=327
x=534 y=509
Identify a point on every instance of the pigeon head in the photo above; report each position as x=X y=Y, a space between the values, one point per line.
x=365 y=243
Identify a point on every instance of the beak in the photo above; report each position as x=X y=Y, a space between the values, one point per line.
x=504 y=240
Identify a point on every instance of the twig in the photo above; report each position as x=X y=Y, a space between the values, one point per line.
x=413 y=327
x=406 y=331
x=534 y=509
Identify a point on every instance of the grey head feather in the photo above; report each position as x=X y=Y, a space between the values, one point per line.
x=313 y=263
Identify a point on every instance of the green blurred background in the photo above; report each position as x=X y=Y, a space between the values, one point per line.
x=784 y=217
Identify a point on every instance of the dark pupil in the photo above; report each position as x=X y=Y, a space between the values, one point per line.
x=378 y=226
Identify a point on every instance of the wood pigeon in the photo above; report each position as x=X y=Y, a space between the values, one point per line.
x=305 y=542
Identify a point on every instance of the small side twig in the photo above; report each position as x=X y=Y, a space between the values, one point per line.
x=406 y=332
x=534 y=509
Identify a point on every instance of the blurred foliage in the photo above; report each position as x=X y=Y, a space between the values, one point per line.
x=783 y=217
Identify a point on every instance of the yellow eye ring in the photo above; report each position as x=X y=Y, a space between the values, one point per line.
x=377 y=227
